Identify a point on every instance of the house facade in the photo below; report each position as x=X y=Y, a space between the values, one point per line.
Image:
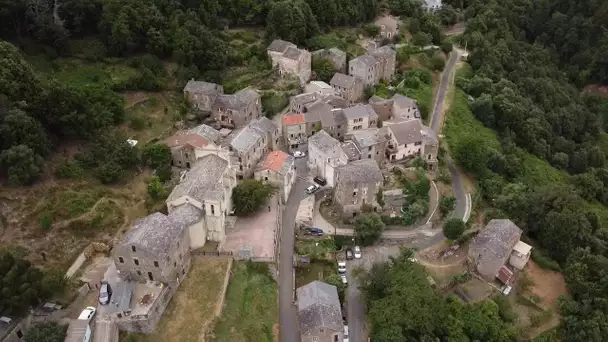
x=325 y=155
x=348 y=87
x=248 y=145
x=187 y=146
x=382 y=107
x=386 y=59
x=371 y=143
x=405 y=140
x=203 y=200
x=294 y=130
x=356 y=185
x=279 y=169
x=405 y=107
x=319 y=87
x=360 y=117
x=319 y=313
x=389 y=26
x=364 y=68
x=202 y=95
x=290 y=60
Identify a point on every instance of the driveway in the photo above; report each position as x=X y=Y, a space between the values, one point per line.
x=288 y=322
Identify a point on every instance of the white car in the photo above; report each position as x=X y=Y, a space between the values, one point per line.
x=357 y=252
x=345 y=333
x=413 y=259
x=311 y=189
x=344 y=280
x=87 y=314
x=341 y=267
x=299 y=154
x=506 y=290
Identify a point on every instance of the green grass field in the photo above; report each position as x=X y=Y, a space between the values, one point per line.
x=250 y=309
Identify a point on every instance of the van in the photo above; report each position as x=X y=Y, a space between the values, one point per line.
x=320 y=181
x=105 y=293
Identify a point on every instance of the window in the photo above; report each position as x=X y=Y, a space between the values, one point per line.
x=180 y=256
x=133 y=249
x=121 y=260
x=156 y=264
x=354 y=193
x=369 y=156
x=174 y=264
x=370 y=148
x=19 y=334
x=150 y=276
x=138 y=272
x=183 y=271
x=136 y=262
x=212 y=209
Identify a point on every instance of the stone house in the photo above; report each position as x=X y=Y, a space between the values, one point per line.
x=270 y=129
x=227 y=110
x=323 y=116
x=364 y=68
x=382 y=107
x=371 y=143
x=348 y=87
x=189 y=145
x=248 y=145
x=351 y=150
x=294 y=130
x=324 y=156
x=290 y=60
x=298 y=104
x=202 y=95
x=430 y=144
x=497 y=249
x=386 y=59
x=335 y=55
x=319 y=313
x=356 y=185
x=278 y=168
x=389 y=26
x=405 y=139
x=432 y=5
x=360 y=117
x=203 y=200
x=405 y=107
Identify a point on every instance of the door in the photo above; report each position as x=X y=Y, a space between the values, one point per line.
x=150 y=276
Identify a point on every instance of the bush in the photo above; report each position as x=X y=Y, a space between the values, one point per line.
x=392 y=221
x=453 y=228
x=273 y=103
x=46 y=222
x=446 y=47
x=109 y=173
x=368 y=228
x=371 y=30
x=544 y=261
x=437 y=62
x=137 y=123
x=68 y=169
x=447 y=204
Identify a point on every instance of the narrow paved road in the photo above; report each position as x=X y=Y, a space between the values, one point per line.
x=443 y=88
x=288 y=326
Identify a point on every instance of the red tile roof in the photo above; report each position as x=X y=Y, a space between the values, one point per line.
x=293 y=119
x=505 y=275
x=274 y=161
x=192 y=139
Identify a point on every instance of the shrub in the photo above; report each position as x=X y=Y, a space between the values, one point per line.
x=368 y=228
x=46 y=222
x=453 y=228
x=137 y=123
x=68 y=169
x=544 y=261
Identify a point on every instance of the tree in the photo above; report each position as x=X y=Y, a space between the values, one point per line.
x=156 y=155
x=448 y=15
x=335 y=280
x=17 y=79
x=18 y=128
x=250 y=195
x=291 y=20
x=156 y=190
x=446 y=47
x=453 y=228
x=368 y=92
x=421 y=39
x=371 y=30
x=46 y=332
x=472 y=154
x=446 y=205
x=368 y=228
x=324 y=69
x=437 y=62
x=22 y=164
x=380 y=197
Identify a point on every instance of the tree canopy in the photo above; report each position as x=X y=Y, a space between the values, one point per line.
x=250 y=196
x=368 y=228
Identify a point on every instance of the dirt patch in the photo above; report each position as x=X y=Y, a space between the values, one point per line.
x=596 y=89
x=547 y=284
x=443 y=265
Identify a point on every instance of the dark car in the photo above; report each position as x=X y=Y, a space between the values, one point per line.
x=349 y=254
x=105 y=293
x=315 y=231
x=320 y=181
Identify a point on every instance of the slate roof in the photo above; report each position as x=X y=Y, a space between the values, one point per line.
x=279 y=45
x=339 y=117
x=238 y=100
x=403 y=101
x=323 y=141
x=305 y=98
x=192 y=139
x=384 y=52
x=378 y=99
x=351 y=150
x=318 y=307
x=202 y=87
x=496 y=240
x=359 y=171
x=207 y=132
x=406 y=132
x=360 y=111
x=154 y=233
x=245 y=138
x=277 y=161
x=336 y=101
x=429 y=135
x=342 y=80
x=293 y=53
x=367 y=60
x=293 y=119
x=264 y=125
x=186 y=214
x=368 y=137
x=203 y=181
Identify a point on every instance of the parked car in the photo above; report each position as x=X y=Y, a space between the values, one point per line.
x=357 y=252
x=345 y=333
x=506 y=290
x=320 y=181
x=105 y=293
x=344 y=280
x=87 y=314
x=311 y=189
x=299 y=154
x=349 y=254
x=315 y=231
x=341 y=267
